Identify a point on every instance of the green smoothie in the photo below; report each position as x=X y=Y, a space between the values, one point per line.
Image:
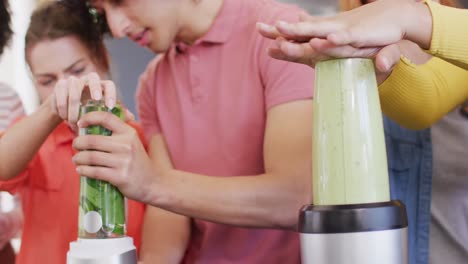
x=102 y=205
x=349 y=157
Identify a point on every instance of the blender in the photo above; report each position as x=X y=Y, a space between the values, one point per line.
x=352 y=219
x=101 y=224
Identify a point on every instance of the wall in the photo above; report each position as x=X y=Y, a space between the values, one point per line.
x=128 y=62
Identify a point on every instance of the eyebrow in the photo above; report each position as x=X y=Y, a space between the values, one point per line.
x=66 y=70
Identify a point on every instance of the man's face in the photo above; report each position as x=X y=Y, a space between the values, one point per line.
x=150 y=23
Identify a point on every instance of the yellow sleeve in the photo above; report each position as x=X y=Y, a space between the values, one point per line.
x=449 y=33
x=416 y=96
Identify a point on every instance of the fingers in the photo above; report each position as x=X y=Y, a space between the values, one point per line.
x=95 y=158
x=74 y=99
x=101 y=143
x=327 y=48
x=129 y=116
x=340 y=38
x=267 y=31
x=94 y=83
x=387 y=58
x=99 y=173
x=61 y=97
x=68 y=95
x=304 y=17
x=300 y=52
x=110 y=93
x=304 y=31
x=105 y=119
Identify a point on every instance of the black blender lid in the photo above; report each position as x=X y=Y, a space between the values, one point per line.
x=352 y=218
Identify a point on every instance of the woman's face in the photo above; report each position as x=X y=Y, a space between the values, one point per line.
x=52 y=60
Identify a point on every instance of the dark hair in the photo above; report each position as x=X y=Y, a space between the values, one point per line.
x=58 y=19
x=86 y=8
x=5 y=26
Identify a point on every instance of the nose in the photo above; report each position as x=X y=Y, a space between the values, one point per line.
x=118 y=23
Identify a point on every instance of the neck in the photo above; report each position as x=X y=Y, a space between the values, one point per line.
x=198 y=19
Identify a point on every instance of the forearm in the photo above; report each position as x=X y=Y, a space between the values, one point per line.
x=165 y=237
x=264 y=200
x=419 y=24
x=24 y=140
x=448 y=33
x=416 y=96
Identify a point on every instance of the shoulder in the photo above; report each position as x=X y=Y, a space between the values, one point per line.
x=151 y=68
x=269 y=11
x=146 y=82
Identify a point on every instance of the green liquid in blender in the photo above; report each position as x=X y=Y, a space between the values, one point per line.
x=349 y=157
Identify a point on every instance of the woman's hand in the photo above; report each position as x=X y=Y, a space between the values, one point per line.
x=363 y=32
x=68 y=95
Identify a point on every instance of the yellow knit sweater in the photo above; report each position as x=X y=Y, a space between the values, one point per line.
x=416 y=96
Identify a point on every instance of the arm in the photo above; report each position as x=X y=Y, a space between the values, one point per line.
x=165 y=234
x=271 y=199
x=416 y=96
x=24 y=139
x=449 y=34
x=363 y=32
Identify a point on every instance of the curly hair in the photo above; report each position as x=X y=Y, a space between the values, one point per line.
x=5 y=25
x=56 y=19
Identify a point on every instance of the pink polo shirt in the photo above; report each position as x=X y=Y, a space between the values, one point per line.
x=210 y=100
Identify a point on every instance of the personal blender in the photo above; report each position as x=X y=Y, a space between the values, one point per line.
x=101 y=224
x=352 y=219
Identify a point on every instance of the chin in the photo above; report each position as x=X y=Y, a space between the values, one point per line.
x=158 y=49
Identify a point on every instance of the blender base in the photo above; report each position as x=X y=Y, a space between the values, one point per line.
x=102 y=251
x=383 y=247
x=354 y=234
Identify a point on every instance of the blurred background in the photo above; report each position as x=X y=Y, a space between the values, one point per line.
x=128 y=60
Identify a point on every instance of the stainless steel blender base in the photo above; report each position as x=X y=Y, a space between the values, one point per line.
x=374 y=233
x=129 y=257
x=376 y=247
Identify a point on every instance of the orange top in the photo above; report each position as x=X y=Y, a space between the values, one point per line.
x=49 y=190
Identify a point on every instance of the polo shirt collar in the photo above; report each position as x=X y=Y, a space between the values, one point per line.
x=223 y=26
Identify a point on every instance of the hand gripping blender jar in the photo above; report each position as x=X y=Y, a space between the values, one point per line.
x=352 y=219
x=101 y=225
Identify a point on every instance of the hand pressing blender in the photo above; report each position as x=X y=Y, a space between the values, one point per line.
x=101 y=227
x=352 y=220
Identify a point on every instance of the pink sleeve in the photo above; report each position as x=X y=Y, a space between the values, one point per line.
x=146 y=101
x=284 y=81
